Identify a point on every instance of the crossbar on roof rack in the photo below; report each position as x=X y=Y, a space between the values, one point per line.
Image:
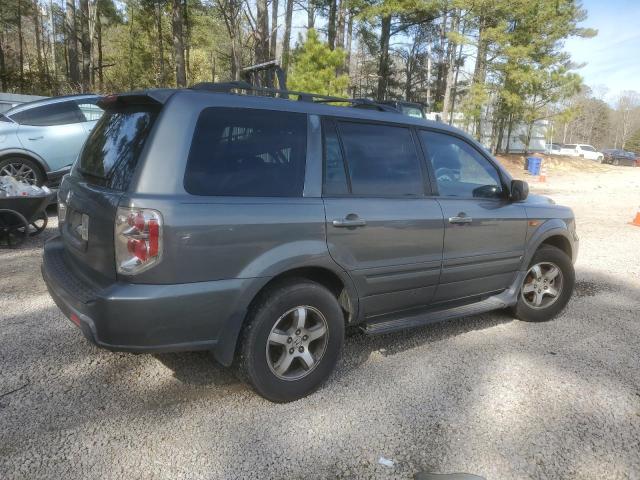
x=228 y=87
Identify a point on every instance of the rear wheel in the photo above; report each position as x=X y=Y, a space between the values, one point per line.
x=547 y=287
x=22 y=169
x=292 y=341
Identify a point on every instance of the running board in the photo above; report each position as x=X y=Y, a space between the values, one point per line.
x=425 y=318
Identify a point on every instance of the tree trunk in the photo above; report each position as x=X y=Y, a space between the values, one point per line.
x=451 y=58
x=349 y=39
x=509 y=132
x=131 y=44
x=85 y=42
x=72 y=42
x=479 y=72
x=187 y=41
x=455 y=84
x=3 y=65
x=342 y=11
x=383 y=69
x=177 y=23
x=262 y=32
x=311 y=14
x=99 y=46
x=37 y=29
x=235 y=58
x=286 y=41
x=20 y=46
x=54 y=65
x=161 y=75
x=331 y=24
x=274 y=30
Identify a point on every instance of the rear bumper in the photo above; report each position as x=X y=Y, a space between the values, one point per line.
x=147 y=318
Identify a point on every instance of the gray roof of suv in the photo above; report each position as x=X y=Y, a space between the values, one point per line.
x=317 y=108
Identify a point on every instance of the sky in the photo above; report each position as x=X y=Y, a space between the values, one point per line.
x=612 y=57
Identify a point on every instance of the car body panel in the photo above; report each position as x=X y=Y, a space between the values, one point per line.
x=59 y=144
x=481 y=256
x=401 y=267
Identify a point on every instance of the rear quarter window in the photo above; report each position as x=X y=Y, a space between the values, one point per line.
x=247 y=152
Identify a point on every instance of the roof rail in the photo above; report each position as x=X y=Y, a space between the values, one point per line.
x=229 y=87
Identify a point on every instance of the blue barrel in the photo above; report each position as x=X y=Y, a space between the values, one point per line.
x=533 y=165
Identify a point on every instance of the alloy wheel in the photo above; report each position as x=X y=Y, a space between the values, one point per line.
x=297 y=342
x=542 y=285
x=20 y=171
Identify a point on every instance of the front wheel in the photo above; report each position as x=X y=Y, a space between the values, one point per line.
x=547 y=286
x=23 y=169
x=292 y=341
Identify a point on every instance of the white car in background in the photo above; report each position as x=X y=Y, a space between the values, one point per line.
x=582 y=150
x=553 y=149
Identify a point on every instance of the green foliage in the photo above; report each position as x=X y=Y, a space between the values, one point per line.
x=314 y=67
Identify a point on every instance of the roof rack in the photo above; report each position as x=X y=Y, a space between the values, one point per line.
x=230 y=87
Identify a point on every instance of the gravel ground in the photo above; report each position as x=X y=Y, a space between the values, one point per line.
x=487 y=394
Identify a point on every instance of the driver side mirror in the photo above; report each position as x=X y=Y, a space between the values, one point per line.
x=519 y=190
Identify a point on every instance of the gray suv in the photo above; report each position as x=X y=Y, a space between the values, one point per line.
x=261 y=228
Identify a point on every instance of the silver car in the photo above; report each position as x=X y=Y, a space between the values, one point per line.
x=40 y=140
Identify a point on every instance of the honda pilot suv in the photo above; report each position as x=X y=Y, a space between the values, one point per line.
x=260 y=228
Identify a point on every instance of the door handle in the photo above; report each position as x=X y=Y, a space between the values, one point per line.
x=36 y=138
x=460 y=219
x=349 y=222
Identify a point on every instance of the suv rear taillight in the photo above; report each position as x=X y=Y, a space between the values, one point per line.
x=138 y=239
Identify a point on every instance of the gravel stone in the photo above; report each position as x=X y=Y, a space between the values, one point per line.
x=487 y=394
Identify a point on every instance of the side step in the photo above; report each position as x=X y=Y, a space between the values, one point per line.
x=387 y=325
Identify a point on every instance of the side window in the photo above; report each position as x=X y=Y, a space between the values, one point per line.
x=61 y=113
x=382 y=160
x=335 y=177
x=90 y=111
x=460 y=170
x=247 y=152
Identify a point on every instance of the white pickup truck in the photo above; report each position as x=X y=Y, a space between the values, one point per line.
x=581 y=150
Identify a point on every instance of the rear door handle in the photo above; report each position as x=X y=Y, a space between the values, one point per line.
x=461 y=219
x=36 y=138
x=349 y=222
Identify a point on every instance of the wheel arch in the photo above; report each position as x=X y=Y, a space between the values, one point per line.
x=28 y=154
x=555 y=233
x=336 y=281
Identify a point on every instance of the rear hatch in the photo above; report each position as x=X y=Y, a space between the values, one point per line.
x=99 y=178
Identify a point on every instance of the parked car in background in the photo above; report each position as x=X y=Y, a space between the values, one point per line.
x=262 y=227
x=40 y=140
x=616 y=156
x=553 y=149
x=581 y=150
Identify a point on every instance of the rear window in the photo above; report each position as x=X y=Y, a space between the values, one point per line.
x=110 y=154
x=247 y=152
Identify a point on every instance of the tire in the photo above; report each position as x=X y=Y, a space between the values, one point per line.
x=276 y=315
x=23 y=169
x=545 y=256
